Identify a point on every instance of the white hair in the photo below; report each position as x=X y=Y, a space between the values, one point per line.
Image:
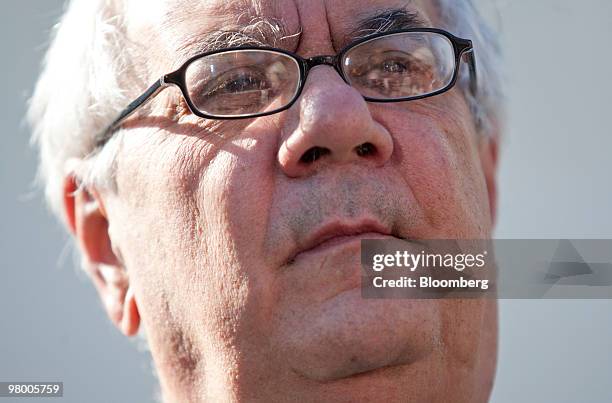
x=88 y=77
x=83 y=85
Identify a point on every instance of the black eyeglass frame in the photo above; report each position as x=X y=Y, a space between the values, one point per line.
x=460 y=46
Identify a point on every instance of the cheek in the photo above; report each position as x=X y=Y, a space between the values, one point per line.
x=237 y=187
x=435 y=153
x=191 y=210
x=201 y=189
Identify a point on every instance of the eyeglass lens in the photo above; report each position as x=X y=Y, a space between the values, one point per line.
x=400 y=65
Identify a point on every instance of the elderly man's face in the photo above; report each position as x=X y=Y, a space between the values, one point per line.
x=243 y=251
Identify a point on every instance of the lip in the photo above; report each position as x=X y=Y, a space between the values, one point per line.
x=338 y=233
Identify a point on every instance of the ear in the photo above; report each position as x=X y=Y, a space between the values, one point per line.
x=489 y=151
x=88 y=222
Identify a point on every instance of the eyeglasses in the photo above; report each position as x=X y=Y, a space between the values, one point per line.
x=247 y=82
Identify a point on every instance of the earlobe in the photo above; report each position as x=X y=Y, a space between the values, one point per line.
x=130 y=320
x=88 y=221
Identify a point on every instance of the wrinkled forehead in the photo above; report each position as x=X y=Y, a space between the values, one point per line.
x=182 y=28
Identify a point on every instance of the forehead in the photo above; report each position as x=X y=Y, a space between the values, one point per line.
x=182 y=28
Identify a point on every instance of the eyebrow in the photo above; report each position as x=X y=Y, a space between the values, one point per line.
x=259 y=31
x=386 y=20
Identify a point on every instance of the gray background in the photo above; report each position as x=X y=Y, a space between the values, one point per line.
x=554 y=183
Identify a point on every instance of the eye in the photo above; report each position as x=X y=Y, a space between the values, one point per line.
x=392 y=62
x=393 y=73
x=394 y=66
x=244 y=89
x=382 y=64
x=237 y=81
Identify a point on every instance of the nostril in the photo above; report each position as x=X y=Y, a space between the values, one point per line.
x=313 y=154
x=365 y=149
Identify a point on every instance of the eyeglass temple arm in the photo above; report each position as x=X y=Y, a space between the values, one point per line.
x=142 y=100
x=471 y=61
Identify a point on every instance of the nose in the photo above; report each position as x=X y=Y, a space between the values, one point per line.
x=331 y=124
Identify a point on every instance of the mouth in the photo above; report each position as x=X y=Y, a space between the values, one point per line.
x=338 y=234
